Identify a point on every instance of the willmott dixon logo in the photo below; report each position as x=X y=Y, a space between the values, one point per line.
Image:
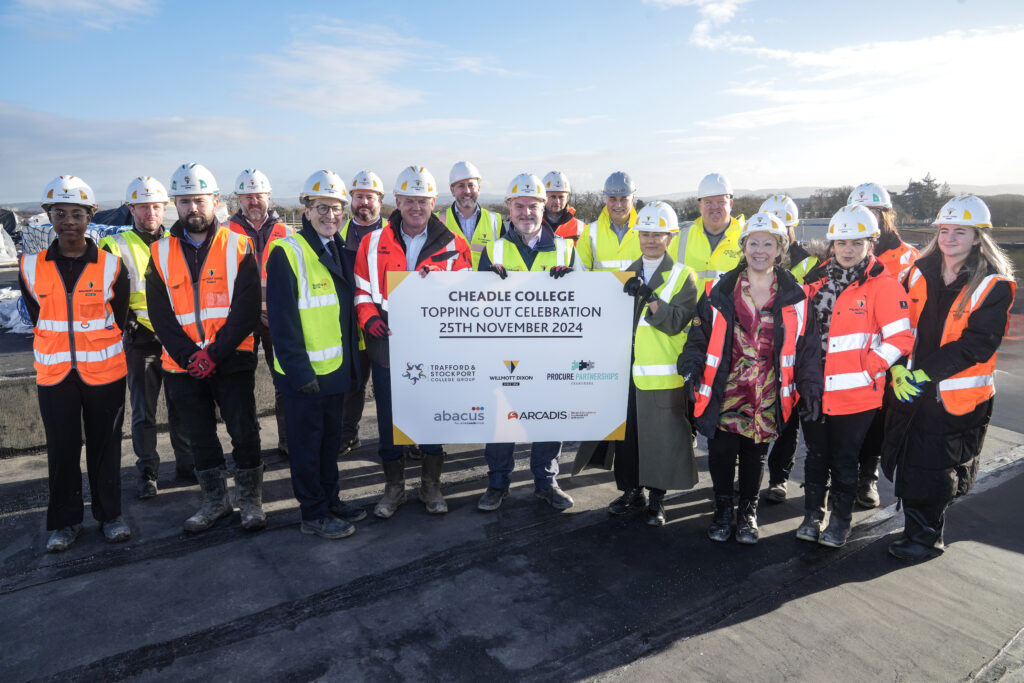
x=511 y=365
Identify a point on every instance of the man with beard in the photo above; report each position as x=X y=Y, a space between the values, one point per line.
x=557 y=212
x=367 y=194
x=466 y=218
x=203 y=291
x=146 y=199
x=261 y=224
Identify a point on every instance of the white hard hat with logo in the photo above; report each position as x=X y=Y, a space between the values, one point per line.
x=415 y=181
x=526 y=185
x=556 y=181
x=324 y=184
x=252 y=181
x=463 y=170
x=713 y=184
x=871 y=195
x=68 y=189
x=193 y=179
x=657 y=217
x=853 y=221
x=368 y=180
x=784 y=207
x=765 y=221
x=146 y=190
x=967 y=210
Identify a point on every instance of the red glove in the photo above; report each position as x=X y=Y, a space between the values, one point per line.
x=560 y=271
x=376 y=327
x=200 y=365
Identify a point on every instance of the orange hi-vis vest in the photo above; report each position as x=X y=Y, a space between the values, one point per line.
x=277 y=232
x=794 y=322
x=899 y=260
x=75 y=331
x=211 y=301
x=964 y=391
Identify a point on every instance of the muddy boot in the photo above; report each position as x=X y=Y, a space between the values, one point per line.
x=249 y=484
x=721 y=528
x=814 y=508
x=430 y=484
x=213 y=484
x=394 y=488
x=838 y=529
x=746 y=525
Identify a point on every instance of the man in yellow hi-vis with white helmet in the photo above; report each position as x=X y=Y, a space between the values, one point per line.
x=146 y=199
x=466 y=218
x=711 y=246
x=610 y=242
x=529 y=245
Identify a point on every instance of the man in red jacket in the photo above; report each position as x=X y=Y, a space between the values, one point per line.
x=557 y=212
x=414 y=239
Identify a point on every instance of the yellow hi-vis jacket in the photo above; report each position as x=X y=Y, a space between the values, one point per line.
x=599 y=247
x=695 y=251
x=135 y=255
x=504 y=253
x=655 y=353
x=319 y=311
x=488 y=230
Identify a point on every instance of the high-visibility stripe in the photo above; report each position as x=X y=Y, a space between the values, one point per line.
x=231 y=263
x=890 y=353
x=847 y=380
x=787 y=361
x=974 y=382
x=612 y=264
x=363 y=299
x=362 y=284
x=80 y=356
x=371 y=262
x=713 y=361
x=849 y=342
x=654 y=370
x=895 y=327
x=325 y=354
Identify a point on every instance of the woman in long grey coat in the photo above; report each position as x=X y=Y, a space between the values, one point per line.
x=657 y=451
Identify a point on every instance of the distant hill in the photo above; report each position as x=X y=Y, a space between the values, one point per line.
x=807 y=191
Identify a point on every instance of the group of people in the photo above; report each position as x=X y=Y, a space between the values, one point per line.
x=881 y=355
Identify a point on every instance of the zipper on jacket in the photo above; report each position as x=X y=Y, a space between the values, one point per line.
x=195 y=298
x=71 y=322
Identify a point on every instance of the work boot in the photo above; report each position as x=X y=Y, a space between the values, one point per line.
x=922 y=533
x=746 y=525
x=249 y=484
x=62 y=539
x=837 y=532
x=414 y=452
x=492 y=499
x=394 y=488
x=814 y=507
x=721 y=527
x=347 y=511
x=630 y=500
x=147 y=489
x=116 y=530
x=656 y=508
x=213 y=484
x=430 y=483
x=555 y=497
x=776 y=493
x=327 y=527
x=867 y=492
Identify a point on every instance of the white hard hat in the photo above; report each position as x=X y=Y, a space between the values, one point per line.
x=462 y=170
x=765 y=221
x=324 y=184
x=965 y=209
x=146 y=190
x=193 y=179
x=784 y=207
x=657 y=217
x=68 y=189
x=251 y=181
x=852 y=222
x=415 y=181
x=526 y=185
x=713 y=184
x=871 y=195
x=556 y=181
x=368 y=180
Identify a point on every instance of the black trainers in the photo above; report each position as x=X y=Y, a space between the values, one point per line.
x=492 y=499
x=62 y=539
x=347 y=511
x=629 y=501
x=327 y=527
x=148 y=489
x=116 y=530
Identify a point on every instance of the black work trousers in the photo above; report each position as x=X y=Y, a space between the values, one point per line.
x=833 y=450
x=261 y=337
x=65 y=407
x=197 y=401
x=316 y=437
x=783 y=452
x=355 y=399
x=723 y=453
x=145 y=378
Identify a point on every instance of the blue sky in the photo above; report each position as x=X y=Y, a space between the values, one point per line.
x=773 y=94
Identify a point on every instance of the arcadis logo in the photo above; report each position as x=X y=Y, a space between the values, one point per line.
x=536 y=415
x=475 y=415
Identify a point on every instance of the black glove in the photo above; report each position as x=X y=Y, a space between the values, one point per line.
x=810 y=408
x=635 y=287
x=500 y=271
x=311 y=388
x=690 y=390
x=560 y=271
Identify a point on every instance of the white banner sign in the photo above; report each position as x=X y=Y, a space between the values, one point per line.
x=478 y=359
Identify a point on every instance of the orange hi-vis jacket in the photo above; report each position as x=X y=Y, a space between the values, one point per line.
x=964 y=391
x=208 y=303
x=868 y=332
x=77 y=330
x=572 y=228
x=899 y=260
x=794 y=321
x=278 y=231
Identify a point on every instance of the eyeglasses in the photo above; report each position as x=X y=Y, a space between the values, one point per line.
x=61 y=214
x=324 y=209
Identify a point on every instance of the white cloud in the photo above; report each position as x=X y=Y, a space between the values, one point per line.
x=101 y=15
x=714 y=14
x=582 y=120
x=421 y=126
x=474 y=65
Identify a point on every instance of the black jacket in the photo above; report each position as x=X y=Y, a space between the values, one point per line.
x=808 y=370
x=286 y=327
x=241 y=320
x=545 y=243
